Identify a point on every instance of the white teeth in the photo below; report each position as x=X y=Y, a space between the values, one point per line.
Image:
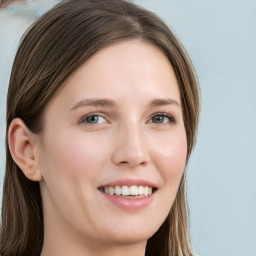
x=125 y=191
x=111 y=191
x=146 y=191
x=141 y=190
x=118 y=190
x=132 y=191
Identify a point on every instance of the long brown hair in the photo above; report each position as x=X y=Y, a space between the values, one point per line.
x=51 y=50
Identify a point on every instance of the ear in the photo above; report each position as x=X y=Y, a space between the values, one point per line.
x=24 y=149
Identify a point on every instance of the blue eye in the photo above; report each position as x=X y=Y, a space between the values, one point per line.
x=162 y=119
x=94 y=119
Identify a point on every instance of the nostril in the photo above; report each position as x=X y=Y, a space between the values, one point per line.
x=129 y=157
x=124 y=162
x=143 y=163
x=132 y=164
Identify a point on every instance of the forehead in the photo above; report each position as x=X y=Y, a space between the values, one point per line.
x=127 y=70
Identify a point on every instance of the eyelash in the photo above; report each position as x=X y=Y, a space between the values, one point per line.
x=170 y=117
x=83 y=120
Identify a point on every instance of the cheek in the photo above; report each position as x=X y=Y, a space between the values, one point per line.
x=169 y=160
x=73 y=157
x=170 y=157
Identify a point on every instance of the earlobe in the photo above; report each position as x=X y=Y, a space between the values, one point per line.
x=22 y=146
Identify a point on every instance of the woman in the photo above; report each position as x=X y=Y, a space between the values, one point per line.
x=102 y=113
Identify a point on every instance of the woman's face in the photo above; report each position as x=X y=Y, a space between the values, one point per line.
x=115 y=126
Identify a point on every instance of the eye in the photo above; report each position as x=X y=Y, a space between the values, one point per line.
x=162 y=119
x=93 y=119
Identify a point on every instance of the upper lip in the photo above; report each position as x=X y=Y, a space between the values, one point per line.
x=129 y=182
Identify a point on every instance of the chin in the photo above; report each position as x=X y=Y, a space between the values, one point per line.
x=134 y=235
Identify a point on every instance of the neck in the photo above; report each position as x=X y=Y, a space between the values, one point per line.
x=115 y=250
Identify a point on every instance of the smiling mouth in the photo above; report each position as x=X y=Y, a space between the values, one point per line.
x=128 y=191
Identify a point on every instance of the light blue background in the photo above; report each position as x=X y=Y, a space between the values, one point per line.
x=220 y=36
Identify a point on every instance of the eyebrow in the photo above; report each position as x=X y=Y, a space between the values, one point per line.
x=163 y=102
x=112 y=103
x=94 y=102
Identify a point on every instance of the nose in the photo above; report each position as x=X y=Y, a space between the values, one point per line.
x=130 y=149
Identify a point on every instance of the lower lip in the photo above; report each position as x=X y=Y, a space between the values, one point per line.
x=130 y=203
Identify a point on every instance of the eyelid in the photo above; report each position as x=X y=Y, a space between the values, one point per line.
x=171 y=117
x=82 y=120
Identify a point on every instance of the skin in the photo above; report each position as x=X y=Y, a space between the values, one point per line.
x=72 y=158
